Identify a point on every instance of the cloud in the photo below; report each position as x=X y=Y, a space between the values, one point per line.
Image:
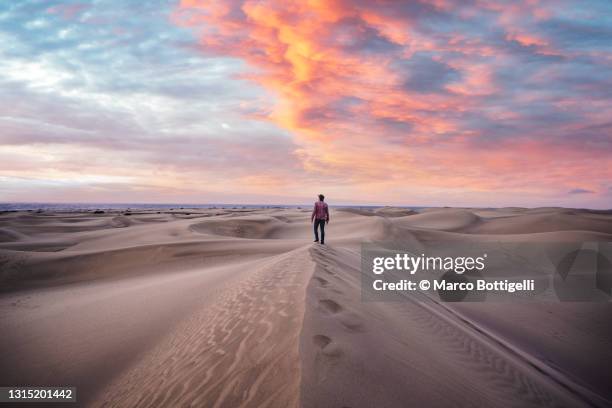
x=580 y=191
x=104 y=90
x=425 y=75
x=385 y=100
x=447 y=93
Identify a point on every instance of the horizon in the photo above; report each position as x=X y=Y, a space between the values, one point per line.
x=185 y=206
x=433 y=102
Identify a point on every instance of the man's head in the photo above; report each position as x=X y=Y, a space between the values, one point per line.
x=321 y=197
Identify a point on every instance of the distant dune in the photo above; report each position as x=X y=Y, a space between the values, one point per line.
x=238 y=308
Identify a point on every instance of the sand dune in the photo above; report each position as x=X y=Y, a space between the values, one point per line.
x=473 y=367
x=394 y=212
x=445 y=220
x=546 y=222
x=252 y=226
x=8 y=235
x=239 y=350
x=237 y=308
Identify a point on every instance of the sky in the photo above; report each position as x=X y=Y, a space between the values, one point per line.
x=419 y=103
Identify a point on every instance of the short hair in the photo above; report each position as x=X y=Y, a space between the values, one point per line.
x=321 y=197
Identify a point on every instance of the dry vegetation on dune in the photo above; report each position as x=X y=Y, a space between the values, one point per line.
x=238 y=308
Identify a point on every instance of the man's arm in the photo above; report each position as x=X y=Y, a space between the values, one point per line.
x=326 y=213
x=314 y=211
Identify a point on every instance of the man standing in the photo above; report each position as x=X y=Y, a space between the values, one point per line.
x=320 y=216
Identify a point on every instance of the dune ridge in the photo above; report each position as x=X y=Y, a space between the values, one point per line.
x=242 y=351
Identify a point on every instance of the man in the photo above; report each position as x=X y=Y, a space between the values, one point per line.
x=320 y=216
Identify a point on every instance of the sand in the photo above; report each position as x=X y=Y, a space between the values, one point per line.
x=238 y=308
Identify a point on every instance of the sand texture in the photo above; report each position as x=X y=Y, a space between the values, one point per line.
x=238 y=308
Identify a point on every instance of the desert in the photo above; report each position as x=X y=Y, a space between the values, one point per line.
x=238 y=308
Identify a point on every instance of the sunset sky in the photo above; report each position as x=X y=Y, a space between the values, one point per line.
x=433 y=103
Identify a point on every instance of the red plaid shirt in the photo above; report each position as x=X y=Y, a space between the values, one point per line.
x=320 y=211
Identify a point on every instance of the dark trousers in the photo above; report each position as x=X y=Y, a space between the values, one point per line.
x=321 y=224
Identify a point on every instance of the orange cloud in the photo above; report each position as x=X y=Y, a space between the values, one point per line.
x=370 y=92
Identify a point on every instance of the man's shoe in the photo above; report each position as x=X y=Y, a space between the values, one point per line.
x=316 y=240
x=322 y=243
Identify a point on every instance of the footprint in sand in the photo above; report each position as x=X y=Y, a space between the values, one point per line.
x=322 y=282
x=321 y=341
x=329 y=349
x=352 y=322
x=330 y=306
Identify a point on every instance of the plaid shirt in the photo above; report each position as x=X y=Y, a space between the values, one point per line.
x=320 y=211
